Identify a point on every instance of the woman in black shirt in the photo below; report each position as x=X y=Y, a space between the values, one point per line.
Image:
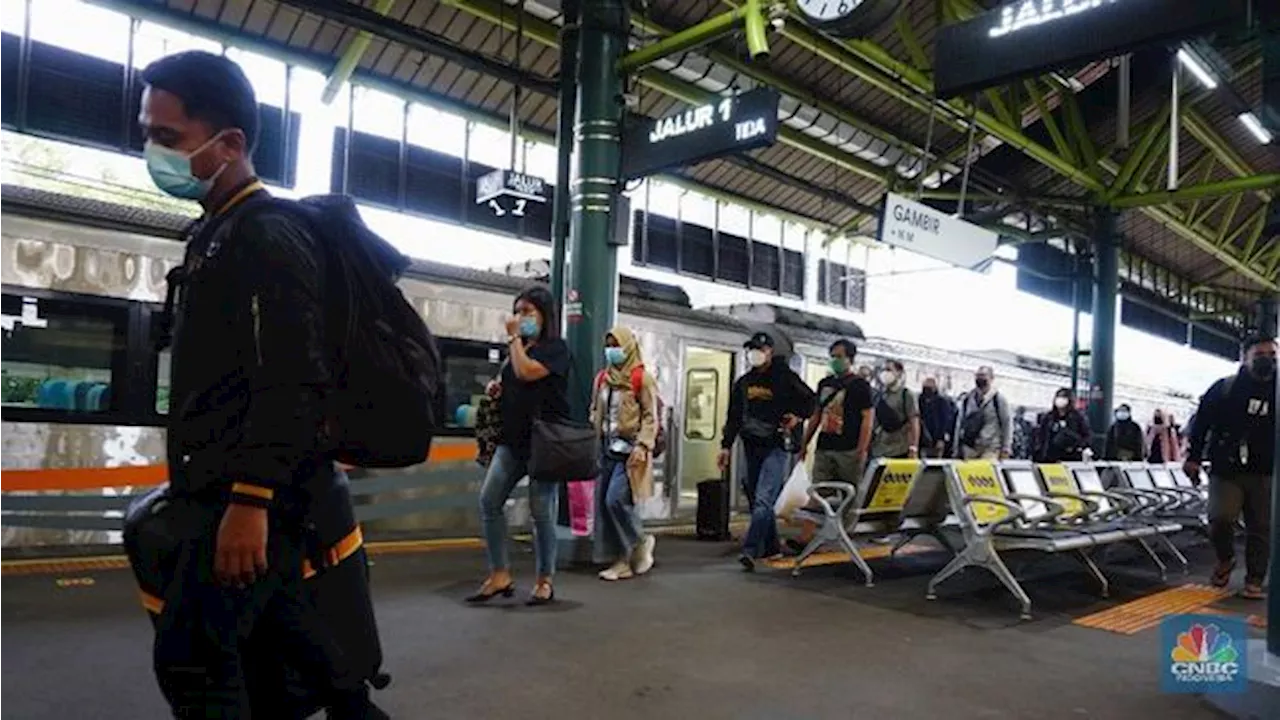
x=533 y=384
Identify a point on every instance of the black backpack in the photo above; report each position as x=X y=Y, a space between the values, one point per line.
x=387 y=395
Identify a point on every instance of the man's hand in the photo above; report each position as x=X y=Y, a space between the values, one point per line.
x=913 y=453
x=1004 y=454
x=1192 y=469
x=241 y=553
x=722 y=460
x=493 y=389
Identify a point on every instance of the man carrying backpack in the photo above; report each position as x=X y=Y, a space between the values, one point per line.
x=984 y=430
x=250 y=444
x=1236 y=426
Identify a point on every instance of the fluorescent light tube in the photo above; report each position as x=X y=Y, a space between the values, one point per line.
x=1255 y=126
x=1197 y=68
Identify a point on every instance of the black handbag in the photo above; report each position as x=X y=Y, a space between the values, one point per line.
x=563 y=451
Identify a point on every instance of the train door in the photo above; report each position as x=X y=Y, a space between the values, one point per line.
x=708 y=377
x=814 y=371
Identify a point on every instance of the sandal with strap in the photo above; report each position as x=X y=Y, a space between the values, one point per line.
x=536 y=599
x=1253 y=591
x=1222 y=574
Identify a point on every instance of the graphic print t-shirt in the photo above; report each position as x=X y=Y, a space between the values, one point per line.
x=842 y=400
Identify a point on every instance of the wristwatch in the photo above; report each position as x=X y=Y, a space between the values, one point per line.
x=512 y=338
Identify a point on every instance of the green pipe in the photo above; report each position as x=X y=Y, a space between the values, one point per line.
x=1204 y=133
x=351 y=57
x=696 y=36
x=1196 y=192
x=757 y=38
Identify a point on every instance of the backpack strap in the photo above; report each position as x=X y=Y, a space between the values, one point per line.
x=637 y=381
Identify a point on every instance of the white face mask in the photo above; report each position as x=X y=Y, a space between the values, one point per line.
x=887 y=377
x=1122 y=416
x=755 y=357
x=1060 y=402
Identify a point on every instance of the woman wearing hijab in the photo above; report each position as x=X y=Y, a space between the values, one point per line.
x=1162 y=441
x=624 y=412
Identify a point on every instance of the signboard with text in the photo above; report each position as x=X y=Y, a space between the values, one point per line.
x=728 y=126
x=919 y=228
x=1031 y=37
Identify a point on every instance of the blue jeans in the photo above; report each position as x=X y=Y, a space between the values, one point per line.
x=617 y=528
x=505 y=472
x=766 y=470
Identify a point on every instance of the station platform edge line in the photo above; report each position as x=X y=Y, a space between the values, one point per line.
x=59 y=565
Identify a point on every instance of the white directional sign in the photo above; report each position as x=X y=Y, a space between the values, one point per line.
x=919 y=228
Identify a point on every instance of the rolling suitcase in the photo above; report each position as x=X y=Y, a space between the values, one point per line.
x=713 y=510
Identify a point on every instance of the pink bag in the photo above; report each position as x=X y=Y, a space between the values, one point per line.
x=581 y=506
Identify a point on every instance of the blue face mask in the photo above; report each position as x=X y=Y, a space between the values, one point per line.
x=170 y=170
x=615 y=355
x=528 y=327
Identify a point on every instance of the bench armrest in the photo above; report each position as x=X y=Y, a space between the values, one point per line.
x=1055 y=509
x=1091 y=507
x=1016 y=513
x=845 y=492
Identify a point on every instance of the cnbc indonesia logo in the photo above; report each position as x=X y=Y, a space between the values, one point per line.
x=1204 y=654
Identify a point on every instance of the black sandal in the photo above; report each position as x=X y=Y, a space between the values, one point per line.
x=535 y=599
x=484 y=597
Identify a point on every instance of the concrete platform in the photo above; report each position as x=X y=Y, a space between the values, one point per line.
x=696 y=638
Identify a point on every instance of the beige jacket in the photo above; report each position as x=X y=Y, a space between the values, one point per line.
x=637 y=422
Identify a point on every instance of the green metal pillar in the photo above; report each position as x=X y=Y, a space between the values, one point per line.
x=592 y=269
x=1102 y=353
x=566 y=110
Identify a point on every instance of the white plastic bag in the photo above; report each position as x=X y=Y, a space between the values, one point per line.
x=794 y=495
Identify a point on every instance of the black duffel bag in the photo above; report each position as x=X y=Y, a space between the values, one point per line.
x=563 y=451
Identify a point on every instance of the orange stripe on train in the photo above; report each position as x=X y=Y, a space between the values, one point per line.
x=93 y=478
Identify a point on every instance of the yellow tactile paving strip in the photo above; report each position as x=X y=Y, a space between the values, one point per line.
x=1138 y=615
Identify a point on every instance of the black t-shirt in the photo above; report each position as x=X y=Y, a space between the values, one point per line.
x=842 y=400
x=546 y=398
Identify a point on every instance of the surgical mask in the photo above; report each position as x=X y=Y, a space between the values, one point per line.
x=887 y=377
x=839 y=366
x=755 y=357
x=930 y=392
x=615 y=355
x=1157 y=421
x=1263 y=366
x=982 y=383
x=528 y=326
x=1060 y=402
x=170 y=170
x=1122 y=416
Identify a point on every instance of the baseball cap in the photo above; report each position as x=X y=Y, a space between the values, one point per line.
x=759 y=340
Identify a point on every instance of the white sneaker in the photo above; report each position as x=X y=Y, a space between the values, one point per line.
x=617 y=571
x=644 y=554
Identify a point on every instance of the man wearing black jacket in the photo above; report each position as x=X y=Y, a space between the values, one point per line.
x=1237 y=420
x=247 y=445
x=937 y=420
x=765 y=405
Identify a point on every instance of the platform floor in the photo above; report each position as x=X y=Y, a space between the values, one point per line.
x=697 y=638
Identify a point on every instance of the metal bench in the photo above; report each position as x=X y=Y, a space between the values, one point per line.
x=885 y=503
x=995 y=518
x=1131 y=507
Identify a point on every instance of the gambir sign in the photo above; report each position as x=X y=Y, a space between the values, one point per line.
x=919 y=228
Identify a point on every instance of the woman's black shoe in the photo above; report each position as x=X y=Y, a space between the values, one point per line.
x=483 y=597
x=535 y=599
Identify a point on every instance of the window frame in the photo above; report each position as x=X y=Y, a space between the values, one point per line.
x=472 y=348
x=132 y=408
x=715 y=400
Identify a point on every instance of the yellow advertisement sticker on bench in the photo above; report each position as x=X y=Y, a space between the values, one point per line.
x=1058 y=479
x=894 y=485
x=978 y=478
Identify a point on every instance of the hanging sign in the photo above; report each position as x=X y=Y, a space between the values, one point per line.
x=919 y=228
x=508 y=191
x=1024 y=38
x=728 y=126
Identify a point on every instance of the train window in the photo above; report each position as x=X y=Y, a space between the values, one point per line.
x=701 y=387
x=162 y=383
x=468 y=368
x=62 y=354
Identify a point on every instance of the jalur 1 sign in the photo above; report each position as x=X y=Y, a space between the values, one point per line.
x=728 y=126
x=919 y=228
x=1024 y=38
